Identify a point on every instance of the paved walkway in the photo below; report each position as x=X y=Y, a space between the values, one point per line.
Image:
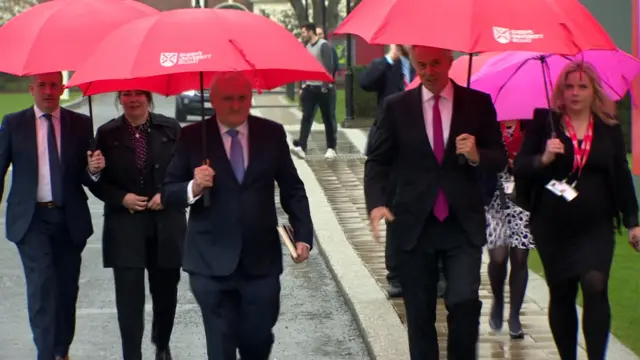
x=336 y=194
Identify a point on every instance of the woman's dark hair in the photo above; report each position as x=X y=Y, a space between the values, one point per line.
x=146 y=94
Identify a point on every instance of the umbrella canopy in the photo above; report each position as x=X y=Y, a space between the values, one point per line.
x=171 y=49
x=554 y=26
x=58 y=35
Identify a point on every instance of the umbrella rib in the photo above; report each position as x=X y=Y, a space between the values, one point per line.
x=510 y=77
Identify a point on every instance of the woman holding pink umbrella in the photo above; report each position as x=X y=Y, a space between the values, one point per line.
x=572 y=174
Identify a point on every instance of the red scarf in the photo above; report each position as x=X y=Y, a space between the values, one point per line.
x=514 y=142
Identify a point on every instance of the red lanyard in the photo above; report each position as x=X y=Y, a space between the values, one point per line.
x=580 y=153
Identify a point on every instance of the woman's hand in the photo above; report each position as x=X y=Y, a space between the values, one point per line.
x=634 y=237
x=553 y=148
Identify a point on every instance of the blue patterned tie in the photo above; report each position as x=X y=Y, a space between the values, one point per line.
x=55 y=168
x=236 y=155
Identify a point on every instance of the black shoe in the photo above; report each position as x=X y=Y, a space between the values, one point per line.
x=394 y=290
x=497 y=315
x=442 y=287
x=515 y=329
x=163 y=354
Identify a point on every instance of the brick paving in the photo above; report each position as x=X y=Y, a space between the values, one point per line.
x=341 y=180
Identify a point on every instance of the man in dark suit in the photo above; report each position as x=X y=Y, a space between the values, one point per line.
x=437 y=138
x=386 y=76
x=232 y=252
x=47 y=212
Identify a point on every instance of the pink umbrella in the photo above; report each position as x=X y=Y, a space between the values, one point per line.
x=514 y=79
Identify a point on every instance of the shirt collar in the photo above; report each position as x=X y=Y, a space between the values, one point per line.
x=242 y=129
x=55 y=114
x=446 y=93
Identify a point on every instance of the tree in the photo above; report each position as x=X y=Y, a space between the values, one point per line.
x=286 y=18
x=11 y=8
x=333 y=16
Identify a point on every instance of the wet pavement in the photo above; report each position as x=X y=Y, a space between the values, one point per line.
x=315 y=322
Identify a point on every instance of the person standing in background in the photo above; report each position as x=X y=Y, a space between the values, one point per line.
x=316 y=94
x=139 y=231
x=334 y=72
x=387 y=76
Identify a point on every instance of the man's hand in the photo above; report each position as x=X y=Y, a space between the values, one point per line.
x=155 y=203
x=634 y=238
x=466 y=145
x=134 y=202
x=377 y=214
x=303 y=252
x=95 y=162
x=202 y=178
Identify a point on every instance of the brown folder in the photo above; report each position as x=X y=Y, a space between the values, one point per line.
x=286 y=233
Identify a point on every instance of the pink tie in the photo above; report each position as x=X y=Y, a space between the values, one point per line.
x=441 y=208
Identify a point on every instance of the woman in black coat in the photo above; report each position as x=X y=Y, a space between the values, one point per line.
x=139 y=233
x=573 y=176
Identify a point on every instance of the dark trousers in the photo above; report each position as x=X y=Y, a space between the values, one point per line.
x=130 y=298
x=312 y=98
x=239 y=312
x=461 y=261
x=51 y=262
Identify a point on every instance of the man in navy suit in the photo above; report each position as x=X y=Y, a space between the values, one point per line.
x=232 y=251
x=47 y=212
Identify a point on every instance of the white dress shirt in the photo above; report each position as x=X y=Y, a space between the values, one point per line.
x=243 y=136
x=43 y=192
x=446 y=110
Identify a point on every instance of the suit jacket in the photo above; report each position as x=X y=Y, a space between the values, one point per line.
x=124 y=234
x=401 y=144
x=531 y=178
x=384 y=79
x=239 y=226
x=18 y=147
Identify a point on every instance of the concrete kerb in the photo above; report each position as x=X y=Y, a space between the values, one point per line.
x=384 y=334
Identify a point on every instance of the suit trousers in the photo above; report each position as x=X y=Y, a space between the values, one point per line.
x=239 y=312
x=51 y=262
x=461 y=261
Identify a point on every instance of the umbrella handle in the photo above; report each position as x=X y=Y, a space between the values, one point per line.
x=207 y=192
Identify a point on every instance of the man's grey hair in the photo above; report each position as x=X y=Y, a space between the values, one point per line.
x=411 y=48
x=235 y=75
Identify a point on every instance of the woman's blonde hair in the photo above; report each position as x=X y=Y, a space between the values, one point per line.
x=602 y=104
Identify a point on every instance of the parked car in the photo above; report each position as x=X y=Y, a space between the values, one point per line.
x=188 y=104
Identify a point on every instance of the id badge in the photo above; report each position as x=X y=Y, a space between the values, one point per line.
x=568 y=193
x=509 y=187
x=555 y=187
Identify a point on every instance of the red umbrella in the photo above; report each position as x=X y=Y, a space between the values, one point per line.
x=554 y=26
x=58 y=35
x=460 y=68
x=171 y=49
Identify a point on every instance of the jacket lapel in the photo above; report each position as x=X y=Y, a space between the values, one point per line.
x=30 y=137
x=457 y=122
x=255 y=149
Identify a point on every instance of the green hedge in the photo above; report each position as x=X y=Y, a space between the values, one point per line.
x=13 y=84
x=624 y=116
x=365 y=103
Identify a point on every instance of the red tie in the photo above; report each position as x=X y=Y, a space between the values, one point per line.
x=441 y=208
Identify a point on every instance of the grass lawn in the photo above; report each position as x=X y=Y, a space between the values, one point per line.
x=17 y=101
x=624 y=291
